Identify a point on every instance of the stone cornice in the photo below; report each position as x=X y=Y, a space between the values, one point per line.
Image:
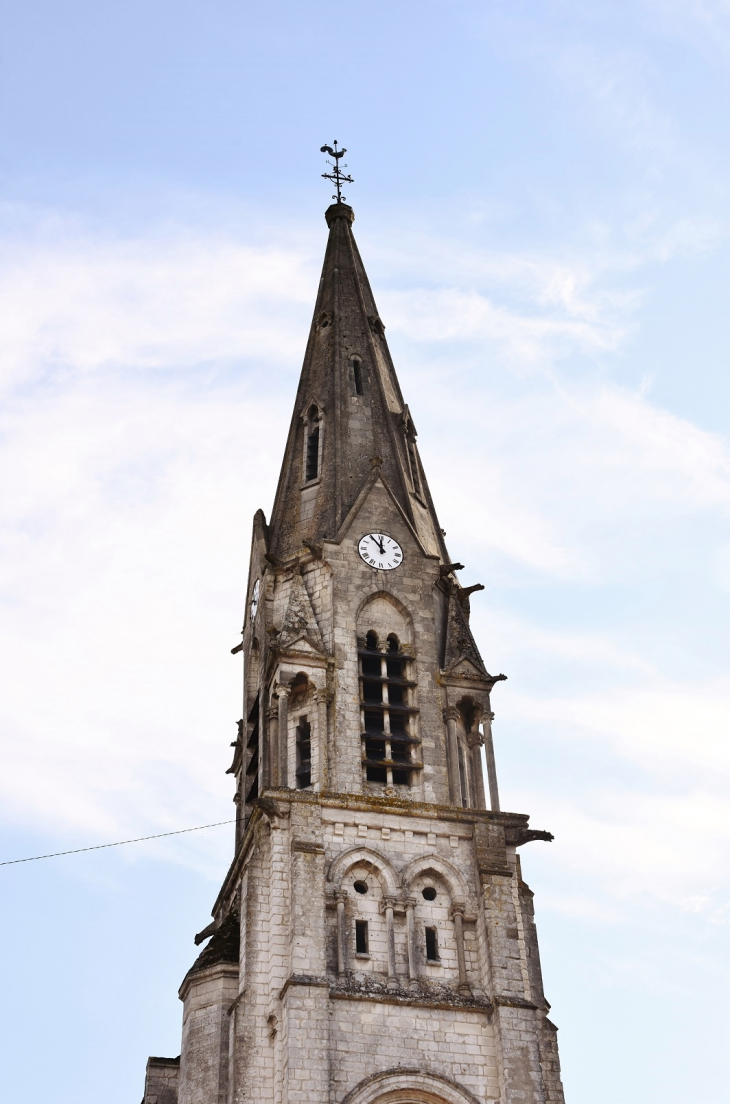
x=370 y=803
x=207 y=973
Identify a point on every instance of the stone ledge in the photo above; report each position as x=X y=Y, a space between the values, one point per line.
x=380 y=992
x=310 y=981
x=207 y=976
x=309 y=847
x=515 y=1002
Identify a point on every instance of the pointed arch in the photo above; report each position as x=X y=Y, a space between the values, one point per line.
x=313 y=418
x=365 y=856
x=397 y=623
x=453 y=878
x=402 y=609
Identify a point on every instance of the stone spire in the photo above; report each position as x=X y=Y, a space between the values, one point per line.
x=350 y=422
x=372 y=894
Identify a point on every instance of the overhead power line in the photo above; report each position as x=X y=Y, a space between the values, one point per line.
x=119 y=843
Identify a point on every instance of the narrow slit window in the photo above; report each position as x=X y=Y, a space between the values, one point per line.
x=432 y=945
x=415 y=473
x=312 y=453
x=357 y=374
x=304 y=754
x=361 y=937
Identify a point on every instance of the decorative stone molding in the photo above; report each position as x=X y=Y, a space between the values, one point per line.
x=455 y=882
x=369 y=857
x=409 y=1086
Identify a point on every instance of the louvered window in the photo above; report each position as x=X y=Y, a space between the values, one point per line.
x=390 y=745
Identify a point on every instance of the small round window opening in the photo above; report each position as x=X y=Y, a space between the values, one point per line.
x=362 y=887
x=429 y=893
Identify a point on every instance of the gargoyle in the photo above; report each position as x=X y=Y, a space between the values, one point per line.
x=517 y=836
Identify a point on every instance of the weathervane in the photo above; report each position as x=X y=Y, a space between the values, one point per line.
x=337 y=176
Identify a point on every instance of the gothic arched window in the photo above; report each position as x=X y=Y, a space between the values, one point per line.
x=467 y=722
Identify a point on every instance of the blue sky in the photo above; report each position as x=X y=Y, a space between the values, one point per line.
x=541 y=197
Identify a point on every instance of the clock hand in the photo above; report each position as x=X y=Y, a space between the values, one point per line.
x=379 y=541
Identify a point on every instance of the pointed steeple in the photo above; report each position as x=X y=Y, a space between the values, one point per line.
x=349 y=416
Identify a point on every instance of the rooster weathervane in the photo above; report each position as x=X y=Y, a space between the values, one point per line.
x=337 y=176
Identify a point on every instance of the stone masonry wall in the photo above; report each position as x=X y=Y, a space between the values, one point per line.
x=367 y=1037
x=305 y=1034
x=161 y=1081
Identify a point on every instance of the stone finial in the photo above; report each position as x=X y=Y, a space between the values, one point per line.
x=339 y=210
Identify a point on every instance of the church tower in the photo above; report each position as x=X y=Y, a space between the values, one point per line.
x=373 y=941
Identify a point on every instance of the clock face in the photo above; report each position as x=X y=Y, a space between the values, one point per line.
x=380 y=551
x=255 y=598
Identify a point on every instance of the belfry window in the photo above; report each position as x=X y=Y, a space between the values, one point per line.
x=304 y=754
x=432 y=945
x=251 y=781
x=388 y=714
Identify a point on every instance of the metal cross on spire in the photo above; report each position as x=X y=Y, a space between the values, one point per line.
x=337 y=176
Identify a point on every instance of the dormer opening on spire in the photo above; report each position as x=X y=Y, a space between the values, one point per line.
x=357 y=374
x=413 y=464
x=312 y=444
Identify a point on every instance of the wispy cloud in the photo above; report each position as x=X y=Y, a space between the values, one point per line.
x=134 y=472
x=80 y=304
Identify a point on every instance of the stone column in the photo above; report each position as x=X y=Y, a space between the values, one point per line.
x=451 y=717
x=457 y=915
x=411 y=938
x=283 y=741
x=388 y=906
x=320 y=766
x=475 y=740
x=491 y=766
x=341 y=935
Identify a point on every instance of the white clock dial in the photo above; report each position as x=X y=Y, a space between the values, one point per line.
x=380 y=551
x=255 y=598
